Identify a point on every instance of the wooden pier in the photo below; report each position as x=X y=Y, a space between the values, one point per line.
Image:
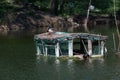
x=61 y=44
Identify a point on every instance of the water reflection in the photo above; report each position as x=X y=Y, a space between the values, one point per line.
x=57 y=62
x=70 y=64
x=92 y=62
x=41 y=58
x=57 y=66
x=98 y=60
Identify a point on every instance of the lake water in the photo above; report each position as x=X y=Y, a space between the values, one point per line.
x=18 y=61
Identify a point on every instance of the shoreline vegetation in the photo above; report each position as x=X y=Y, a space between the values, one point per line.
x=28 y=16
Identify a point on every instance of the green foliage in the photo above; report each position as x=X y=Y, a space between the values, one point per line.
x=5 y=8
x=41 y=3
x=77 y=7
x=81 y=6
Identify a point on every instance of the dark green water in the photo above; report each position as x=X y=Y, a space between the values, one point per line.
x=18 y=61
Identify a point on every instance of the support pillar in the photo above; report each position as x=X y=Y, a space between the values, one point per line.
x=46 y=51
x=102 y=47
x=57 y=50
x=82 y=48
x=38 y=50
x=89 y=47
x=70 y=48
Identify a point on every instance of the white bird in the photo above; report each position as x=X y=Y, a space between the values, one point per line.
x=50 y=30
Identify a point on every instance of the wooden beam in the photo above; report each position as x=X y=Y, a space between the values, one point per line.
x=89 y=47
x=38 y=50
x=57 y=49
x=70 y=48
x=102 y=47
x=46 y=51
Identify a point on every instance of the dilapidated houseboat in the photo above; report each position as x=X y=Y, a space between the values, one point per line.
x=62 y=43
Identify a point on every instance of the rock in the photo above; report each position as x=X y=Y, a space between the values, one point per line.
x=4 y=28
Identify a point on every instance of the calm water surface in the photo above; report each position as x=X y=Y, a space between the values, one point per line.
x=19 y=62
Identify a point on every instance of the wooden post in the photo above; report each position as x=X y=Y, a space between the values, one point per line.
x=70 y=48
x=46 y=52
x=114 y=43
x=38 y=50
x=99 y=47
x=89 y=47
x=102 y=48
x=82 y=48
x=57 y=50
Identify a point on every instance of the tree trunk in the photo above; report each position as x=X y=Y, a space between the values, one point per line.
x=87 y=17
x=85 y=25
x=62 y=6
x=54 y=7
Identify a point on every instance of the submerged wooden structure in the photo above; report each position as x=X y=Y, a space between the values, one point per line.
x=62 y=43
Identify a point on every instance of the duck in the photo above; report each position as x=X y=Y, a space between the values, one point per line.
x=50 y=30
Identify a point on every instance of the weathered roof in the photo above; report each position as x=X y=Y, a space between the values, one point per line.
x=63 y=36
x=51 y=36
x=89 y=36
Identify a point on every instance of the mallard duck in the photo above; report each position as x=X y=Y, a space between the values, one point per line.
x=50 y=30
